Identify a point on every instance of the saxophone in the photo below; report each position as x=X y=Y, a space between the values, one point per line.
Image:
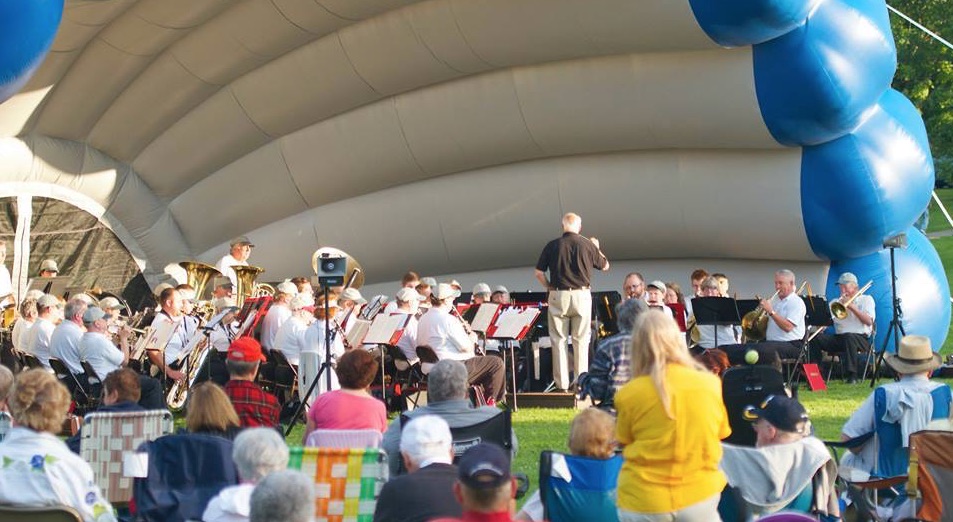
x=197 y=351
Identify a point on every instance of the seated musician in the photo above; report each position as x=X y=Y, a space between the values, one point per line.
x=500 y=295
x=481 y=294
x=711 y=335
x=278 y=313
x=290 y=339
x=408 y=302
x=313 y=353
x=723 y=284
x=698 y=277
x=48 y=268
x=409 y=280
x=64 y=342
x=852 y=332
x=633 y=286
x=655 y=297
x=96 y=348
x=171 y=304
x=445 y=333
x=220 y=337
x=38 y=341
x=786 y=319
x=222 y=287
x=21 y=328
x=304 y=285
x=350 y=302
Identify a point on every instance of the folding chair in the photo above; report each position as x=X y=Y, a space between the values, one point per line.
x=31 y=361
x=93 y=382
x=743 y=386
x=930 y=484
x=266 y=372
x=588 y=492
x=408 y=378
x=348 y=481
x=39 y=514
x=286 y=377
x=107 y=436
x=428 y=358
x=76 y=389
x=184 y=473
x=344 y=439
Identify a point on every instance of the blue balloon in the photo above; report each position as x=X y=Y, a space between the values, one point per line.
x=747 y=22
x=27 y=28
x=921 y=287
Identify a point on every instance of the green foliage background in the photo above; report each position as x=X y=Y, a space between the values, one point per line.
x=925 y=74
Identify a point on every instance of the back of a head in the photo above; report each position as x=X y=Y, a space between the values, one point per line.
x=447 y=381
x=210 y=409
x=572 y=222
x=258 y=452
x=39 y=401
x=656 y=342
x=283 y=496
x=6 y=383
x=592 y=434
x=426 y=440
x=628 y=311
x=125 y=383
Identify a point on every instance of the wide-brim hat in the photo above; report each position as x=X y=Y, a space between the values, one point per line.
x=915 y=355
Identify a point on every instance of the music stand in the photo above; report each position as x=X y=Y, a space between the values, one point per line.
x=385 y=330
x=819 y=316
x=50 y=285
x=513 y=323
x=715 y=311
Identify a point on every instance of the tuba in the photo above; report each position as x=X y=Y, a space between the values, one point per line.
x=197 y=351
x=246 y=287
x=198 y=276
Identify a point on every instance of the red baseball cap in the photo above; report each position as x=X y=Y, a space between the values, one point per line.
x=245 y=349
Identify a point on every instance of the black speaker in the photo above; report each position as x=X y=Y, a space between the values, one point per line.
x=331 y=270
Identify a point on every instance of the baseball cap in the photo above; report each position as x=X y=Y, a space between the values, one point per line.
x=847 y=277
x=287 y=287
x=241 y=240
x=93 y=314
x=409 y=294
x=110 y=303
x=245 y=349
x=50 y=265
x=481 y=288
x=352 y=294
x=656 y=284
x=48 y=301
x=484 y=466
x=302 y=300
x=429 y=281
x=501 y=288
x=784 y=413
x=445 y=291
x=426 y=439
x=222 y=281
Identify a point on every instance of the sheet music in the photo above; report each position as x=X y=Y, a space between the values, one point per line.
x=509 y=325
x=358 y=332
x=160 y=335
x=383 y=328
x=484 y=317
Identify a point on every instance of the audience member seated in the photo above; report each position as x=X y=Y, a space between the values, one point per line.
x=446 y=398
x=671 y=419
x=911 y=403
x=120 y=394
x=257 y=452
x=38 y=469
x=592 y=434
x=484 y=487
x=715 y=360
x=283 y=496
x=788 y=469
x=610 y=369
x=352 y=407
x=427 y=492
x=210 y=412
x=255 y=407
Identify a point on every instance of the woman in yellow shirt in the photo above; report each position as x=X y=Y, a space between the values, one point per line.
x=671 y=419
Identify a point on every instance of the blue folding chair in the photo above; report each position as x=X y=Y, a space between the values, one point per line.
x=587 y=493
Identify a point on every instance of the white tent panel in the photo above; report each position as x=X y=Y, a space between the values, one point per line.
x=139 y=37
x=360 y=9
x=179 y=14
x=311 y=16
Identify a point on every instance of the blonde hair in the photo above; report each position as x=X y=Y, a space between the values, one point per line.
x=592 y=434
x=656 y=343
x=39 y=401
x=210 y=409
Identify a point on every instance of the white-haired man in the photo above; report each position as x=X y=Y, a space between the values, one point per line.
x=64 y=343
x=283 y=496
x=256 y=452
x=569 y=260
x=38 y=339
x=852 y=333
x=426 y=492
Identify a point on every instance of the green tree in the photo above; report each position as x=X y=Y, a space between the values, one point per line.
x=925 y=73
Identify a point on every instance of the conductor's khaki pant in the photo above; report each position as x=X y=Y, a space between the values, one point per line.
x=570 y=315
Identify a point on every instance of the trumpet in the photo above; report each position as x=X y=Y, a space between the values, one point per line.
x=839 y=309
x=754 y=324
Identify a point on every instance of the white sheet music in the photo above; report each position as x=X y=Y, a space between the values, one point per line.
x=359 y=330
x=160 y=334
x=383 y=328
x=484 y=317
x=509 y=325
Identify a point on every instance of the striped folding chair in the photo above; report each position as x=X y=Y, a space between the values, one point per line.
x=348 y=481
x=107 y=436
x=344 y=439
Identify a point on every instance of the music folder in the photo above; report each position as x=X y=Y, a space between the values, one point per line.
x=513 y=322
x=716 y=311
x=359 y=329
x=484 y=316
x=386 y=329
x=818 y=311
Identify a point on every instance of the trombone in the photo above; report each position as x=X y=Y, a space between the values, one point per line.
x=839 y=309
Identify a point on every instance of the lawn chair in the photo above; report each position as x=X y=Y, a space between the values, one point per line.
x=107 y=436
x=39 y=514
x=930 y=483
x=344 y=439
x=348 y=481
x=587 y=493
x=743 y=386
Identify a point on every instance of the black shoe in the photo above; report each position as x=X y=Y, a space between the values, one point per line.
x=851 y=380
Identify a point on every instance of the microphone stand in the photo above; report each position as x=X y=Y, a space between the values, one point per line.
x=895 y=328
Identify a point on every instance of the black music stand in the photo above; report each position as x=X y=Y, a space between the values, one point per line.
x=518 y=338
x=715 y=311
x=818 y=316
x=50 y=285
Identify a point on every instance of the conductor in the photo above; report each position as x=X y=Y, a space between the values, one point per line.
x=569 y=260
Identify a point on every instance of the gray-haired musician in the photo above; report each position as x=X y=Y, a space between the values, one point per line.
x=64 y=342
x=852 y=333
x=786 y=324
x=238 y=254
x=444 y=332
x=569 y=260
x=633 y=286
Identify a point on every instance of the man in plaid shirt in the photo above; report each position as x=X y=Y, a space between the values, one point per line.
x=255 y=406
x=611 y=366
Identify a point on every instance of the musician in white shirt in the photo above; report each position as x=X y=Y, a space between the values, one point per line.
x=408 y=302
x=852 y=333
x=409 y=280
x=313 y=352
x=446 y=335
x=171 y=302
x=21 y=328
x=711 y=335
x=278 y=313
x=350 y=302
x=240 y=250
x=655 y=297
x=38 y=342
x=64 y=342
x=290 y=339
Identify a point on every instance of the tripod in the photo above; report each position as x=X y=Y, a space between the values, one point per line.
x=325 y=368
x=896 y=327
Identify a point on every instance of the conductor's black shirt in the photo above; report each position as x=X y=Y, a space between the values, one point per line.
x=569 y=261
